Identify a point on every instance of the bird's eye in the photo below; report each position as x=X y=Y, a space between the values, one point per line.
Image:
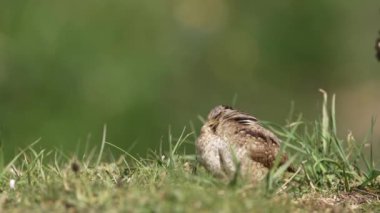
x=213 y=127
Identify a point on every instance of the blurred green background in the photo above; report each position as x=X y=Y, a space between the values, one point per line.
x=68 y=67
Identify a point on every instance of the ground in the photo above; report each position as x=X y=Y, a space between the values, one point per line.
x=112 y=187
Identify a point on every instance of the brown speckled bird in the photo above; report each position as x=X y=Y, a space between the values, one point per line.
x=228 y=137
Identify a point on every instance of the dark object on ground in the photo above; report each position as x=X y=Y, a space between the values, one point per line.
x=75 y=167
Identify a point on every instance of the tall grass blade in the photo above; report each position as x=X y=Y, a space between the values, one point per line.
x=373 y=122
x=1 y=156
x=102 y=144
x=325 y=122
x=333 y=116
x=234 y=100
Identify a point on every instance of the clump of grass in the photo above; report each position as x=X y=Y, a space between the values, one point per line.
x=171 y=180
x=325 y=161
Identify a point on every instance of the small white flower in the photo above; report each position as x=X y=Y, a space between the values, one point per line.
x=12 y=183
x=163 y=157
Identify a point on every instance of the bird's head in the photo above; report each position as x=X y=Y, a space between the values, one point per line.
x=218 y=112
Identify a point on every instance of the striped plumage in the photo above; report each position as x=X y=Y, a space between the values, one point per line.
x=229 y=136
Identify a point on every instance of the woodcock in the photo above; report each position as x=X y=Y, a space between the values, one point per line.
x=229 y=138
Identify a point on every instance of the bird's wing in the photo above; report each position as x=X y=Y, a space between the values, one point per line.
x=241 y=123
x=244 y=130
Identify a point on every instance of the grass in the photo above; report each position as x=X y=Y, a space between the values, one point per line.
x=333 y=174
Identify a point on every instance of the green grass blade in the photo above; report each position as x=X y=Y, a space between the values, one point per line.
x=325 y=122
x=102 y=144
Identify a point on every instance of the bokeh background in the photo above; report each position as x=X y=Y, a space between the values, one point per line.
x=68 y=67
